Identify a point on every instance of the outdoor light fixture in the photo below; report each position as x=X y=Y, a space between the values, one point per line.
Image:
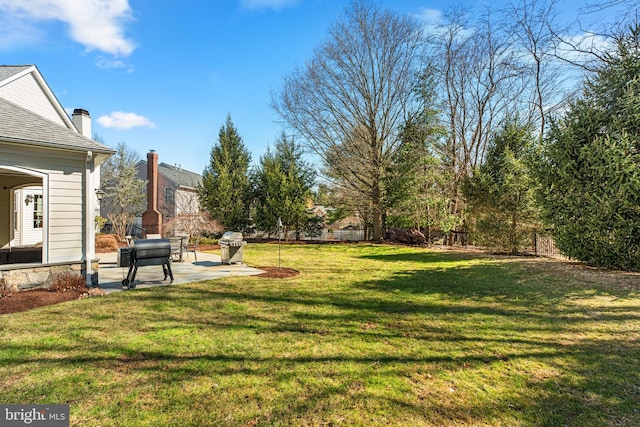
x=100 y=194
x=28 y=199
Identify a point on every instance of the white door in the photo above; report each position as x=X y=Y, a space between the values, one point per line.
x=28 y=216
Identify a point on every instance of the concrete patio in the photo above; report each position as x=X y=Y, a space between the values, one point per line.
x=207 y=267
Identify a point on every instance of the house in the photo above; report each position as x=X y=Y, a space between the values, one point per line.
x=49 y=174
x=172 y=194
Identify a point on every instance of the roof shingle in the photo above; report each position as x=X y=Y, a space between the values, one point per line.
x=23 y=126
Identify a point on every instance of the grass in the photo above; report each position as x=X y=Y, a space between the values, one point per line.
x=365 y=335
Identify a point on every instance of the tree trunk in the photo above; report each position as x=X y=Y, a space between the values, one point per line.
x=377 y=225
x=377 y=213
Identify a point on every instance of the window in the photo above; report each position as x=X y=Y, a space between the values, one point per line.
x=37 y=211
x=169 y=195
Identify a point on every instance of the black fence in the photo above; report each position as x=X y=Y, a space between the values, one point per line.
x=546 y=247
x=132 y=230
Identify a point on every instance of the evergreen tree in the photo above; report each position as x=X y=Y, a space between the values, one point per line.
x=500 y=195
x=590 y=165
x=415 y=181
x=283 y=185
x=225 y=191
x=415 y=185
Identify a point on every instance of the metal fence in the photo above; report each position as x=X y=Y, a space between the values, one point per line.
x=546 y=247
x=342 y=235
x=132 y=230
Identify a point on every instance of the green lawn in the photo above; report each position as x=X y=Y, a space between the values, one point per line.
x=365 y=335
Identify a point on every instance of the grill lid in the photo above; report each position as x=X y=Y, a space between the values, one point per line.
x=232 y=236
x=152 y=248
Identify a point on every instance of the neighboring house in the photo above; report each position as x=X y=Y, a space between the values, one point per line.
x=176 y=188
x=49 y=174
x=172 y=193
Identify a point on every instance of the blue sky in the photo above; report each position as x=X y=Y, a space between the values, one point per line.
x=164 y=74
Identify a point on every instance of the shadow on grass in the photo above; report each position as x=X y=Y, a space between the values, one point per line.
x=423 y=257
x=491 y=320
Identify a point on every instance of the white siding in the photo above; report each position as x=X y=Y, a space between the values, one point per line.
x=27 y=93
x=64 y=211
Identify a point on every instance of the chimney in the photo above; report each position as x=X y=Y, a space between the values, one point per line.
x=82 y=121
x=152 y=218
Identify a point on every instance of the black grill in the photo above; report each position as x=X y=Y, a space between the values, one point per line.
x=145 y=252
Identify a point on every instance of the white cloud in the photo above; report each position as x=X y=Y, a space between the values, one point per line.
x=15 y=33
x=111 y=63
x=429 y=16
x=576 y=48
x=267 y=4
x=96 y=24
x=122 y=120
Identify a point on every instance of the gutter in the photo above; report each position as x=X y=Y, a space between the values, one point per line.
x=88 y=223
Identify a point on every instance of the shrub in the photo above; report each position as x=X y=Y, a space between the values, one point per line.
x=500 y=194
x=67 y=282
x=4 y=289
x=100 y=222
x=107 y=241
x=204 y=241
x=590 y=166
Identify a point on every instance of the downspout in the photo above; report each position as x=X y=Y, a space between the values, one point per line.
x=88 y=224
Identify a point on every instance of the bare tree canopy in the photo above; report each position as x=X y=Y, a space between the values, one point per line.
x=124 y=191
x=351 y=99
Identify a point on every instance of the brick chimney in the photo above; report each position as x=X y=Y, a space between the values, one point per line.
x=82 y=121
x=152 y=218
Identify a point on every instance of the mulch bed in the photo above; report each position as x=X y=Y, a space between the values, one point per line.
x=15 y=302
x=277 y=272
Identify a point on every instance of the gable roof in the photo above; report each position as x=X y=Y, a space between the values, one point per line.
x=16 y=76
x=7 y=71
x=177 y=175
x=22 y=126
x=180 y=176
x=22 y=123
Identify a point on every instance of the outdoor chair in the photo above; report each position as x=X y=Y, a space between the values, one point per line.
x=176 y=248
x=189 y=247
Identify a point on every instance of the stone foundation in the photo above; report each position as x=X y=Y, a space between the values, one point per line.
x=22 y=276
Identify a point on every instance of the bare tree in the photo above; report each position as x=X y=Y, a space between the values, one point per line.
x=194 y=225
x=600 y=23
x=477 y=74
x=352 y=97
x=124 y=191
x=534 y=29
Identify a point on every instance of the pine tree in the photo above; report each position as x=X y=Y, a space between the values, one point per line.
x=225 y=191
x=590 y=165
x=282 y=186
x=415 y=184
x=500 y=195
